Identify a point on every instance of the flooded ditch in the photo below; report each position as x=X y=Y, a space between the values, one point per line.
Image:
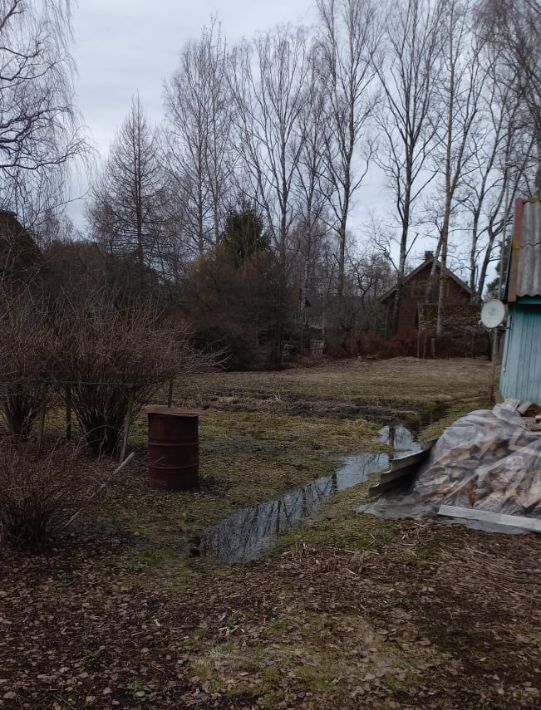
x=252 y=531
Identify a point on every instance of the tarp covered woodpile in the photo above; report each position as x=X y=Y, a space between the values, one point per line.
x=487 y=460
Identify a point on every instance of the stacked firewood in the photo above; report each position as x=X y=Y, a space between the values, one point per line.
x=489 y=459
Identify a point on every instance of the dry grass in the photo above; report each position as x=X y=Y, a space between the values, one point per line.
x=400 y=383
x=351 y=612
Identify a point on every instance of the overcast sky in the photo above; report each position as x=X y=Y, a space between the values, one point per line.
x=128 y=46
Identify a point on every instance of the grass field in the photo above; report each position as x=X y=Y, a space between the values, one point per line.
x=349 y=612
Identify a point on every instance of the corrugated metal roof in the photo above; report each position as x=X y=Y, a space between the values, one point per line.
x=529 y=266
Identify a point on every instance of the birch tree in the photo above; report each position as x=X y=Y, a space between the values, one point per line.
x=501 y=154
x=268 y=85
x=198 y=117
x=459 y=87
x=408 y=121
x=310 y=178
x=515 y=28
x=349 y=38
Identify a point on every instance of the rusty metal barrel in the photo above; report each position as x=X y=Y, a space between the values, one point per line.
x=173 y=448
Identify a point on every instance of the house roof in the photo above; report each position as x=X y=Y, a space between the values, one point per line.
x=525 y=267
x=427 y=262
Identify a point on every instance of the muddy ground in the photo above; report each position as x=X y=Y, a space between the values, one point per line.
x=349 y=612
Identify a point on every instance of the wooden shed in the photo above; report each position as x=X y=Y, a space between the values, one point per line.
x=417 y=293
x=521 y=365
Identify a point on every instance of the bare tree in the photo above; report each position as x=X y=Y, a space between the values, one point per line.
x=515 y=27
x=501 y=154
x=349 y=44
x=38 y=126
x=268 y=84
x=116 y=359
x=372 y=274
x=408 y=122
x=511 y=180
x=460 y=85
x=311 y=198
x=125 y=207
x=199 y=155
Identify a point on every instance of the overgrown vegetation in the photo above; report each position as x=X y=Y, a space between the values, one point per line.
x=351 y=610
x=88 y=342
x=114 y=359
x=39 y=491
x=235 y=298
x=24 y=361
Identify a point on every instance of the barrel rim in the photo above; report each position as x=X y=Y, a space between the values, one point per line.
x=171 y=411
x=186 y=467
x=164 y=443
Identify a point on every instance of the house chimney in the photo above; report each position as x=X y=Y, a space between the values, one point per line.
x=429 y=255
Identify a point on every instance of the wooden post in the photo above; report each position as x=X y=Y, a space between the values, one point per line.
x=68 y=412
x=126 y=432
x=170 y=394
x=492 y=386
x=103 y=485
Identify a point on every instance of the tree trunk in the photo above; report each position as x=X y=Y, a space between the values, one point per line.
x=538 y=171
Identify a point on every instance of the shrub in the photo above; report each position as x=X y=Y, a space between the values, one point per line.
x=38 y=494
x=227 y=344
x=399 y=346
x=236 y=297
x=26 y=337
x=21 y=406
x=117 y=358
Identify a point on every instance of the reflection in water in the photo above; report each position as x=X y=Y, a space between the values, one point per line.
x=248 y=534
x=400 y=438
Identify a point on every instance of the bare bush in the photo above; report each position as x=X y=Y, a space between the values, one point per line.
x=38 y=494
x=21 y=406
x=117 y=358
x=26 y=336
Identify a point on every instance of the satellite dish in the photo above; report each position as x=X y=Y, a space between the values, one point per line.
x=493 y=313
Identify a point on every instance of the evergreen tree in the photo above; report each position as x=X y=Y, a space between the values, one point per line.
x=244 y=234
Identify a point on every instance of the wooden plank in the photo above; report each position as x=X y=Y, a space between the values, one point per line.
x=523 y=408
x=510 y=403
x=515 y=252
x=401 y=469
x=389 y=476
x=487 y=516
x=409 y=460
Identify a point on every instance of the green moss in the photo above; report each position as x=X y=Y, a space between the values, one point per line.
x=245 y=458
x=315 y=679
x=341 y=525
x=270 y=675
x=455 y=411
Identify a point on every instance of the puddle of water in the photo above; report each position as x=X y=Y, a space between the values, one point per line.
x=248 y=534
